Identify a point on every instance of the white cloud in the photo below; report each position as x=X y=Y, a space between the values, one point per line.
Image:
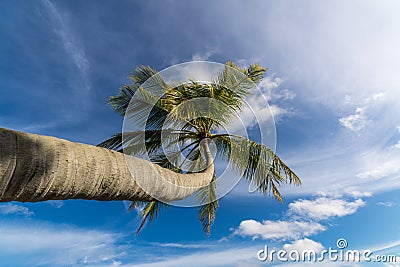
x=228 y=257
x=55 y=203
x=355 y=122
x=52 y=245
x=358 y=194
x=334 y=160
x=62 y=245
x=376 y=97
x=391 y=248
x=264 y=106
x=270 y=87
x=304 y=219
x=359 y=120
x=180 y=245
x=324 y=208
x=348 y=192
x=285 y=230
x=386 y=204
x=334 y=163
x=7 y=209
x=333 y=68
x=397 y=145
x=269 y=83
x=379 y=171
x=303 y=245
x=205 y=55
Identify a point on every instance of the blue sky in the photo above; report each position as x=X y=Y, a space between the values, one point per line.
x=332 y=83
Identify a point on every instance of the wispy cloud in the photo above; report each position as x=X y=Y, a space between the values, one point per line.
x=202 y=56
x=277 y=96
x=7 y=209
x=72 y=47
x=388 y=204
x=225 y=257
x=180 y=245
x=271 y=87
x=359 y=120
x=59 y=92
x=397 y=145
x=324 y=208
x=355 y=122
x=385 y=169
x=279 y=230
x=357 y=194
x=45 y=245
x=55 y=203
x=266 y=106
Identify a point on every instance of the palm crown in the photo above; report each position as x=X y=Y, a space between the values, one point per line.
x=260 y=165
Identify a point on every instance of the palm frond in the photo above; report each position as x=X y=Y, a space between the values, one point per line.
x=255 y=72
x=141 y=74
x=176 y=112
x=195 y=161
x=132 y=142
x=203 y=113
x=148 y=211
x=147 y=87
x=207 y=211
x=234 y=84
x=137 y=205
x=113 y=143
x=170 y=161
x=256 y=163
x=146 y=110
x=120 y=102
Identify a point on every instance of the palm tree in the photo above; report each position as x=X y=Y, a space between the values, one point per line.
x=176 y=107
x=38 y=168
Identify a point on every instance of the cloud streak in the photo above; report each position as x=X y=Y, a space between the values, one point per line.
x=225 y=257
x=8 y=209
x=71 y=46
x=62 y=245
x=47 y=245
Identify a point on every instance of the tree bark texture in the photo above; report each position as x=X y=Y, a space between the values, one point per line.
x=37 y=168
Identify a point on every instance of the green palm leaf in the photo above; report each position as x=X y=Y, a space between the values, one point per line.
x=256 y=163
x=207 y=212
x=234 y=84
x=148 y=211
x=174 y=112
x=132 y=142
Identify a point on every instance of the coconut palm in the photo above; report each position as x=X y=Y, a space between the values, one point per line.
x=38 y=168
x=192 y=130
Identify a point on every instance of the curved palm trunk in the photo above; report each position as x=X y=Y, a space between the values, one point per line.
x=38 y=168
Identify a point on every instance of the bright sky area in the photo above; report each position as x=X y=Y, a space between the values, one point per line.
x=333 y=85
